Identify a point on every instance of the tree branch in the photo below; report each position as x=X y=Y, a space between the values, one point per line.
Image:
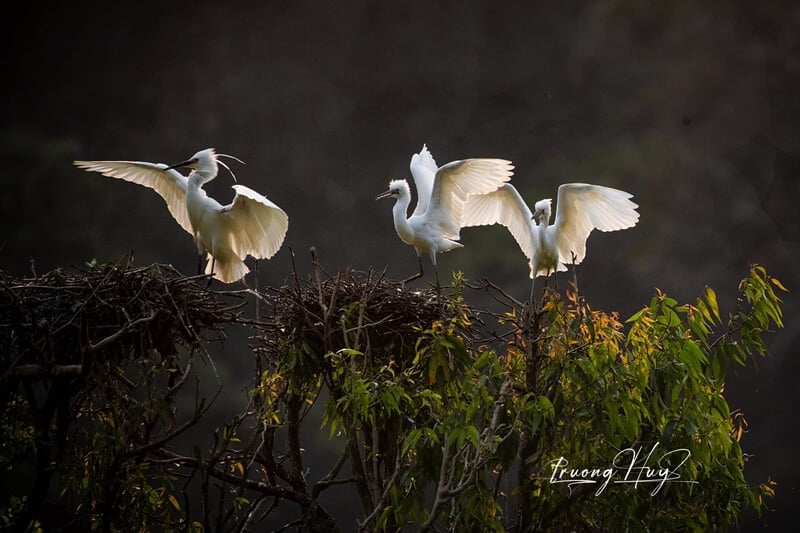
x=114 y=337
x=215 y=472
x=45 y=371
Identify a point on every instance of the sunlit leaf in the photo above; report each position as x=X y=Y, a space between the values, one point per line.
x=174 y=501
x=711 y=299
x=778 y=284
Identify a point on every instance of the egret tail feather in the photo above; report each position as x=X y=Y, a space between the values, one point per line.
x=227 y=267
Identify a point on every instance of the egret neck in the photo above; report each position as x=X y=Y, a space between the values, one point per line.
x=400 y=212
x=250 y=225
x=544 y=239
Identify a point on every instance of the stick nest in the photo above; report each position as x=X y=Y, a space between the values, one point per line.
x=104 y=313
x=351 y=310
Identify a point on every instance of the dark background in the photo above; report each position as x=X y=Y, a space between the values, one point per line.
x=692 y=107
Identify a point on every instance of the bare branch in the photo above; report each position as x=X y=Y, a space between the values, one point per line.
x=217 y=473
x=43 y=371
x=114 y=337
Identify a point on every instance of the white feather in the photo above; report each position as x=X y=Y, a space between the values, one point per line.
x=169 y=184
x=581 y=209
x=249 y=225
x=435 y=223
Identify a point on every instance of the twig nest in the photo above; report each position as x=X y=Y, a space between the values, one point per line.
x=362 y=311
x=105 y=313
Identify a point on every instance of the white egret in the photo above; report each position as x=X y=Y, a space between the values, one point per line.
x=441 y=193
x=581 y=208
x=249 y=225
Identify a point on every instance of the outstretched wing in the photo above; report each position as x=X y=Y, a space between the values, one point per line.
x=453 y=184
x=169 y=184
x=256 y=226
x=582 y=208
x=504 y=206
x=423 y=169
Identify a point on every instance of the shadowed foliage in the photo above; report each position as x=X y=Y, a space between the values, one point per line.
x=443 y=417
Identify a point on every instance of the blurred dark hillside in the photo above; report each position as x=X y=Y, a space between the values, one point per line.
x=692 y=107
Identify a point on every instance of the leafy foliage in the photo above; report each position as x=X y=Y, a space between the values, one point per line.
x=565 y=419
x=92 y=366
x=441 y=437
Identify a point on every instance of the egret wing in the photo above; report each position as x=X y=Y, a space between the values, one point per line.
x=504 y=206
x=582 y=208
x=455 y=181
x=423 y=169
x=256 y=226
x=169 y=184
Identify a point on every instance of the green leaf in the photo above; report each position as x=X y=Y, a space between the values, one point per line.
x=635 y=316
x=472 y=434
x=693 y=356
x=545 y=406
x=711 y=299
x=174 y=502
x=411 y=441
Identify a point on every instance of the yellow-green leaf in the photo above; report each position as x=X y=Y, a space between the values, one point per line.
x=778 y=284
x=174 y=501
x=711 y=298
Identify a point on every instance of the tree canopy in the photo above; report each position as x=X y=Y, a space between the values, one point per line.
x=443 y=416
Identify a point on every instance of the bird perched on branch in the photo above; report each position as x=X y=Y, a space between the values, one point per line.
x=249 y=225
x=434 y=225
x=580 y=208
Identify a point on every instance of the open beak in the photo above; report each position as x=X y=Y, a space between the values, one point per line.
x=385 y=194
x=184 y=164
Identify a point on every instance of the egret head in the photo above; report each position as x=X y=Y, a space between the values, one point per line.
x=541 y=211
x=203 y=163
x=396 y=189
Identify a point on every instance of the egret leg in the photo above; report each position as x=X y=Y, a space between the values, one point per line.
x=554 y=274
x=213 y=262
x=533 y=294
x=544 y=290
x=418 y=274
x=534 y=270
x=575 y=278
x=200 y=264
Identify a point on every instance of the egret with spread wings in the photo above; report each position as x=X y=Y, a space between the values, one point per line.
x=249 y=225
x=580 y=208
x=435 y=224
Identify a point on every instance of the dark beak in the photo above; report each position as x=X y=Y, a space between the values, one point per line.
x=385 y=194
x=184 y=164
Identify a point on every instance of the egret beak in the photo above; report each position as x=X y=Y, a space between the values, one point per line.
x=385 y=194
x=537 y=215
x=186 y=163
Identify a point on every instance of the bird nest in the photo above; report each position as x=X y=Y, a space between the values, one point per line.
x=354 y=310
x=65 y=322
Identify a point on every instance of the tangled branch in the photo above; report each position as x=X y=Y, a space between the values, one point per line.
x=63 y=323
